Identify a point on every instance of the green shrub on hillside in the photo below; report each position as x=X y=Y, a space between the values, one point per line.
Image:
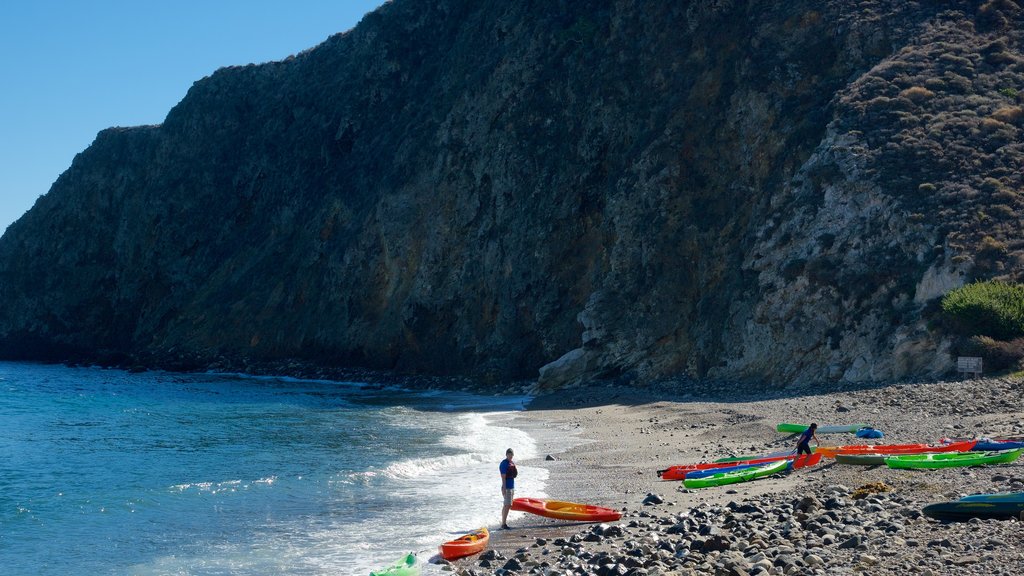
x=996 y=355
x=991 y=308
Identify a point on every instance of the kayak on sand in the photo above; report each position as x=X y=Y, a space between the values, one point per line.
x=565 y=510
x=736 y=476
x=988 y=506
x=861 y=459
x=991 y=445
x=466 y=545
x=951 y=459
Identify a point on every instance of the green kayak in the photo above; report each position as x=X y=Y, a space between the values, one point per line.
x=998 y=506
x=861 y=459
x=836 y=429
x=405 y=566
x=744 y=475
x=952 y=459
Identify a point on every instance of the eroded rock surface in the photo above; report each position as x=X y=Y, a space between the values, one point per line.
x=771 y=192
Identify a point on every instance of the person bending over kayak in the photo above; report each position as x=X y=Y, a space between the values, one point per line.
x=803 y=444
x=508 y=485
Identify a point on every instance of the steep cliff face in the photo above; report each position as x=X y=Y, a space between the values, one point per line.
x=763 y=191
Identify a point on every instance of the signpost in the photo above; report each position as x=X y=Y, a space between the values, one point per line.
x=970 y=366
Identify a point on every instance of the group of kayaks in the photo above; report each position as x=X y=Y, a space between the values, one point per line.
x=944 y=454
x=733 y=471
x=725 y=471
x=476 y=541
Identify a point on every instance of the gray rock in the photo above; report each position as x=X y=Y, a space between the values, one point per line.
x=813 y=560
x=652 y=499
x=808 y=504
x=491 y=555
x=717 y=542
x=966 y=560
x=680 y=528
x=867 y=560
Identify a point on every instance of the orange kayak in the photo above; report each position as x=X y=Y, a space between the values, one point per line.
x=896 y=449
x=467 y=545
x=565 y=510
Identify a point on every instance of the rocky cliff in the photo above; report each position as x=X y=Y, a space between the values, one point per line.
x=763 y=191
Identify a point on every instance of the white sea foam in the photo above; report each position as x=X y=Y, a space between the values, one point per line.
x=445 y=495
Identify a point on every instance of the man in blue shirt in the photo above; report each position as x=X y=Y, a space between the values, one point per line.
x=803 y=444
x=508 y=485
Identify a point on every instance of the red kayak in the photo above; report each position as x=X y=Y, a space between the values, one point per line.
x=679 y=472
x=565 y=510
x=964 y=446
x=466 y=545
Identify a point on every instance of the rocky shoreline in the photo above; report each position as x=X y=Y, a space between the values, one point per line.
x=831 y=519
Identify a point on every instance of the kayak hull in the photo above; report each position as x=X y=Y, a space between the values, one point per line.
x=561 y=510
x=405 y=566
x=737 y=476
x=467 y=545
x=997 y=497
x=967 y=509
x=952 y=459
x=992 y=445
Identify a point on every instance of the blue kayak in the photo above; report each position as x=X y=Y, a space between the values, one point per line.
x=991 y=506
x=999 y=497
x=991 y=445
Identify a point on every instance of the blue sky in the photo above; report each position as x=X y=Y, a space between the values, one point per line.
x=71 y=68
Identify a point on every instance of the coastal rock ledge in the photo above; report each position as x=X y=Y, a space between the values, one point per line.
x=749 y=191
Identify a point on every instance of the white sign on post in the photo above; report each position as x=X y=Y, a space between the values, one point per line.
x=970 y=365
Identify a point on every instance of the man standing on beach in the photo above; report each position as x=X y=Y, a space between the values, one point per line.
x=803 y=445
x=508 y=485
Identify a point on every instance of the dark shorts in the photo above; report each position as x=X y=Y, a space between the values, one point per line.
x=803 y=448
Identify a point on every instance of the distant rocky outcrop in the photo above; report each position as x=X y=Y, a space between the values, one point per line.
x=770 y=192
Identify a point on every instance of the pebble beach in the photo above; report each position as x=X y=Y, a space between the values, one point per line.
x=829 y=519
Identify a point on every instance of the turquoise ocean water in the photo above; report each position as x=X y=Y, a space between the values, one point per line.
x=106 y=472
